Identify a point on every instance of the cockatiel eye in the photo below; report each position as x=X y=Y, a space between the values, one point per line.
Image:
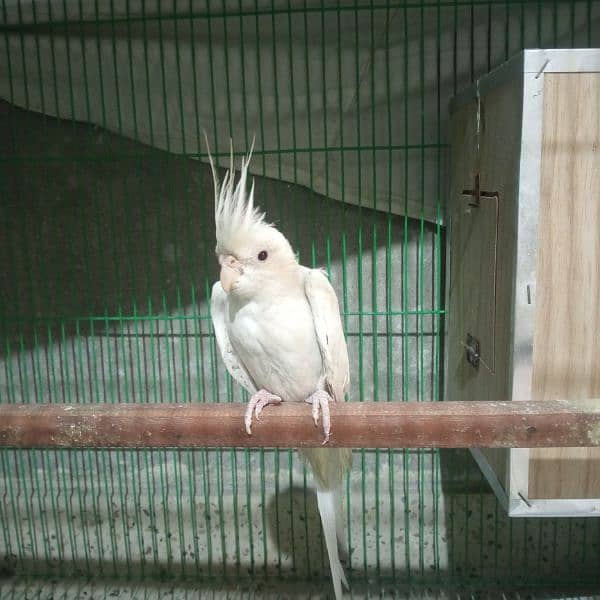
x=262 y=255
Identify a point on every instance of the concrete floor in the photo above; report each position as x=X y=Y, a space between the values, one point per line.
x=95 y=590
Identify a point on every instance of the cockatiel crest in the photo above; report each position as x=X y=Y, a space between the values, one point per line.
x=238 y=222
x=236 y=217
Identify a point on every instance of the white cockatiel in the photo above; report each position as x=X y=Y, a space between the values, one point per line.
x=279 y=330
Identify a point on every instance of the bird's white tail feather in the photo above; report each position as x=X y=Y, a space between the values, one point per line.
x=339 y=521
x=329 y=466
x=329 y=511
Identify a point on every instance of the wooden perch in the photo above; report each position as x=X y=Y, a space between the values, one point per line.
x=354 y=424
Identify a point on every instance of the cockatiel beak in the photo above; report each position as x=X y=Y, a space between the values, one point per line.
x=231 y=269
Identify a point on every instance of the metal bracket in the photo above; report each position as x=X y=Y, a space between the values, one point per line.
x=473 y=351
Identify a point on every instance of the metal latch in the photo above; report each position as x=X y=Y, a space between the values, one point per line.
x=473 y=351
x=476 y=194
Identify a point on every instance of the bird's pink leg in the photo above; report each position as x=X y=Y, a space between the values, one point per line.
x=256 y=404
x=320 y=401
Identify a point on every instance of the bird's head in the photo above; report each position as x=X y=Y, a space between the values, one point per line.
x=252 y=253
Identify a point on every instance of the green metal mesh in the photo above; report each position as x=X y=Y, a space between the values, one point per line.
x=106 y=247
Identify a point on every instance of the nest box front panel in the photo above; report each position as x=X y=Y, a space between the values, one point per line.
x=482 y=255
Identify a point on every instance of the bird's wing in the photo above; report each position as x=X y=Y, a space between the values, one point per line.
x=330 y=333
x=218 y=309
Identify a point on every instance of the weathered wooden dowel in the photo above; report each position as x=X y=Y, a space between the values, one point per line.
x=359 y=425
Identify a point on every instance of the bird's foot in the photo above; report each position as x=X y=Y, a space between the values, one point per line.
x=320 y=401
x=256 y=404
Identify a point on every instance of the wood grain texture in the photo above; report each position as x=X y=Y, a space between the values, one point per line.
x=566 y=353
x=354 y=425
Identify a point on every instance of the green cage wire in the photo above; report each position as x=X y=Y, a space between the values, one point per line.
x=107 y=260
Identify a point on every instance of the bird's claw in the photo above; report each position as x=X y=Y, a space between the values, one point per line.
x=256 y=404
x=315 y=413
x=320 y=403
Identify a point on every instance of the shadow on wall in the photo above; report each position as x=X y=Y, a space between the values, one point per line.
x=295 y=529
x=101 y=237
x=94 y=224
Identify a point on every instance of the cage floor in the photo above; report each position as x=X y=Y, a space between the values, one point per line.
x=75 y=590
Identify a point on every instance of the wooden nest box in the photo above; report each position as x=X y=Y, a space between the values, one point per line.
x=524 y=263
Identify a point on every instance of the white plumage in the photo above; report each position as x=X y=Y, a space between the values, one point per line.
x=280 y=334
